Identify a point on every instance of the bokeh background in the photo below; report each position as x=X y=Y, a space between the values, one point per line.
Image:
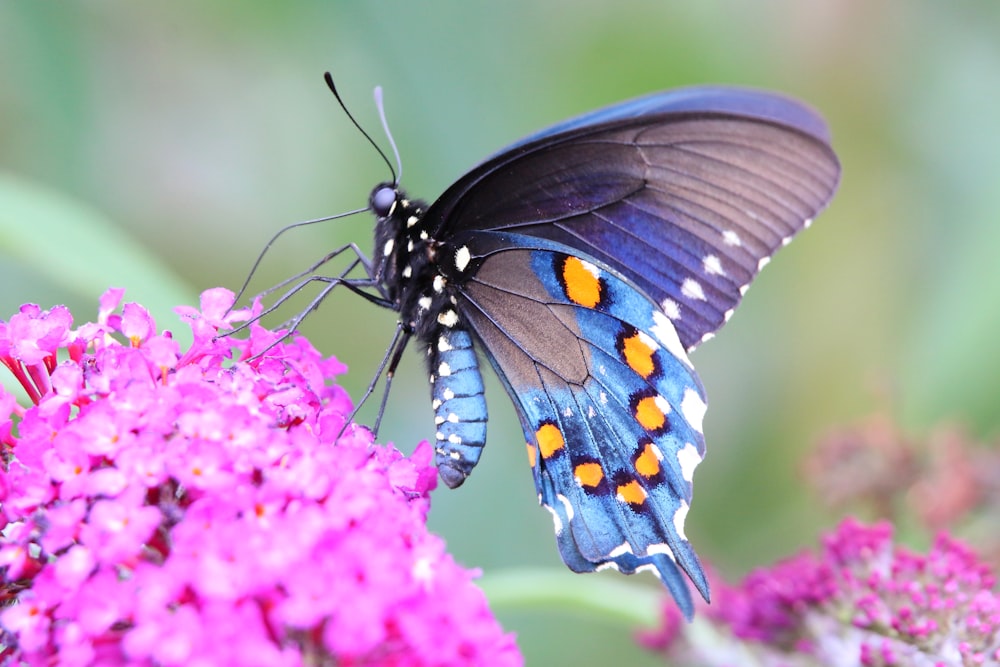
x=158 y=146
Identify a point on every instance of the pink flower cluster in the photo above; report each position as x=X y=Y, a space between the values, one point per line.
x=162 y=507
x=860 y=601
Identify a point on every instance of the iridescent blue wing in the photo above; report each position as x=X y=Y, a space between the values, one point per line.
x=686 y=193
x=610 y=405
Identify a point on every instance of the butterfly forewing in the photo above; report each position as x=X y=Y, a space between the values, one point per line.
x=686 y=205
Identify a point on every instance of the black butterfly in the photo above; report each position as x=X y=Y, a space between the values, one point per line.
x=584 y=262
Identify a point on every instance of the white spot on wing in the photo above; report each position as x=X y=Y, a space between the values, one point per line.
x=680 y=516
x=439 y=283
x=453 y=418
x=653 y=549
x=569 y=507
x=662 y=404
x=455 y=439
x=448 y=394
x=443 y=344
x=424 y=303
x=448 y=318
x=444 y=370
x=462 y=258
x=688 y=458
x=712 y=265
x=692 y=289
x=729 y=237
x=623 y=548
x=671 y=309
x=665 y=333
x=555 y=520
x=693 y=408
x=764 y=261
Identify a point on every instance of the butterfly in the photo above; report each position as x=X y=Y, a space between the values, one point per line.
x=585 y=262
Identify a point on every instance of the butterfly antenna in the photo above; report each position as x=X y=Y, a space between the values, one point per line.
x=333 y=89
x=388 y=134
x=260 y=257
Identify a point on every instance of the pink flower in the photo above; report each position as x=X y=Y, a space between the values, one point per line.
x=860 y=601
x=182 y=508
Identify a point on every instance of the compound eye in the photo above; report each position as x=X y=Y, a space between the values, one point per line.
x=383 y=200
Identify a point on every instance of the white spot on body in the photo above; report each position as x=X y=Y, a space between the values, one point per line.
x=680 y=516
x=407 y=271
x=462 y=258
x=439 y=283
x=712 y=265
x=387 y=248
x=688 y=458
x=412 y=220
x=424 y=303
x=692 y=289
x=693 y=408
x=424 y=235
x=729 y=237
x=409 y=246
x=448 y=318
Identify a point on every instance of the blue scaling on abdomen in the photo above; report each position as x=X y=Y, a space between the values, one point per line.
x=459 y=405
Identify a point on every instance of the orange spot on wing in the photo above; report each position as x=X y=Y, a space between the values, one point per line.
x=589 y=474
x=582 y=286
x=631 y=493
x=649 y=414
x=550 y=440
x=647 y=463
x=532 y=454
x=638 y=355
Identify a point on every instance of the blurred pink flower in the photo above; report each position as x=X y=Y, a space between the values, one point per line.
x=177 y=507
x=861 y=601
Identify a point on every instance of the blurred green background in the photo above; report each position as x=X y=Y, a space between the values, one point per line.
x=158 y=146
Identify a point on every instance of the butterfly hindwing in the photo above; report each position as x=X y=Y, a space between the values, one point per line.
x=609 y=403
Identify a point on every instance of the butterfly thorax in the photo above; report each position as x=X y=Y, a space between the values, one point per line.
x=407 y=264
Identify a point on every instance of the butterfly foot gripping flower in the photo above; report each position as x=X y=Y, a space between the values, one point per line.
x=174 y=507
